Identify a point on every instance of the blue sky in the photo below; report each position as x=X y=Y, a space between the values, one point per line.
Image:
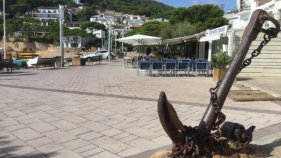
x=228 y=4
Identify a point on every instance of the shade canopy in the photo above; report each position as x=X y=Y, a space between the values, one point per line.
x=139 y=39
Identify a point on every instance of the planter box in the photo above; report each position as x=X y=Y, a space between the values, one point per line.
x=78 y=62
x=218 y=74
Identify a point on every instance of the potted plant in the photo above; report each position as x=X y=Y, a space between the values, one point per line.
x=219 y=62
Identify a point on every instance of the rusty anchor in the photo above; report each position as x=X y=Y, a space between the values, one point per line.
x=213 y=135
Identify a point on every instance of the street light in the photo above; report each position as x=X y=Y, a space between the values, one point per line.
x=109 y=41
x=61 y=19
x=122 y=42
x=4 y=27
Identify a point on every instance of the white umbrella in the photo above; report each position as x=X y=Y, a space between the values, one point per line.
x=139 y=39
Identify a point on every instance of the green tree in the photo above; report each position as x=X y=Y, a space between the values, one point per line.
x=202 y=16
x=75 y=32
x=53 y=35
x=178 y=30
x=150 y=28
x=93 y=25
x=86 y=14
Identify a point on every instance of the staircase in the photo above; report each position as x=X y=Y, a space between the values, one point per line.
x=268 y=63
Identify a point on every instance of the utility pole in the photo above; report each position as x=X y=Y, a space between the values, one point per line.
x=109 y=41
x=61 y=10
x=122 y=42
x=115 y=42
x=4 y=27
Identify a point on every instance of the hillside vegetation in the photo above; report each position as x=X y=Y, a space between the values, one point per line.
x=183 y=21
x=149 y=8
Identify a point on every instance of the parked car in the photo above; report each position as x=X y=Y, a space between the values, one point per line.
x=103 y=53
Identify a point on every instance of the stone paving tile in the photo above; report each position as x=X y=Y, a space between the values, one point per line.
x=39 y=142
x=40 y=115
x=92 y=152
x=110 y=144
x=64 y=125
x=143 y=144
x=42 y=127
x=94 y=126
x=14 y=127
x=7 y=122
x=74 y=119
x=59 y=136
x=162 y=140
x=66 y=153
x=111 y=132
x=19 y=149
x=75 y=144
x=85 y=148
x=79 y=131
x=14 y=113
x=106 y=110
x=49 y=148
x=90 y=135
x=105 y=154
x=27 y=134
x=121 y=135
x=129 y=152
x=128 y=138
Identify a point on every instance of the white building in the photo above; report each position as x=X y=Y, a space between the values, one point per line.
x=75 y=41
x=247 y=7
x=77 y=1
x=46 y=13
x=119 y=19
x=268 y=63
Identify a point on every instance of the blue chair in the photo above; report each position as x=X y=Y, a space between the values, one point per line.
x=157 y=66
x=144 y=65
x=170 y=65
x=184 y=65
x=201 y=60
x=202 y=67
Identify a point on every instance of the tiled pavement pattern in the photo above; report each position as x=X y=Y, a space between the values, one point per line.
x=103 y=111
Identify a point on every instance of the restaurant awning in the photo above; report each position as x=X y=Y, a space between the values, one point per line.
x=178 y=40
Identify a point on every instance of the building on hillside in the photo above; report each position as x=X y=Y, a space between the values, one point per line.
x=74 y=25
x=46 y=13
x=158 y=20
x=117 y=19
x=99 y=33
x=75 y=41
x=77 y=2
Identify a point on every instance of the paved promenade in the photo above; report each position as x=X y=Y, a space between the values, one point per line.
x=106 y=111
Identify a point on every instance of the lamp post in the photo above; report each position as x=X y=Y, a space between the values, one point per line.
x=109 y=41
x=4 y=27
x=122 y=42
x=61 y=10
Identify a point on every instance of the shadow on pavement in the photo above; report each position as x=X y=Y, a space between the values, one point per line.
x=262 y=150
x=16 y=73
x=8 y=150
x=244 y=79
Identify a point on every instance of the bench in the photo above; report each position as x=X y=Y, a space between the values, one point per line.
x=49 y=62
x=6 y=63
